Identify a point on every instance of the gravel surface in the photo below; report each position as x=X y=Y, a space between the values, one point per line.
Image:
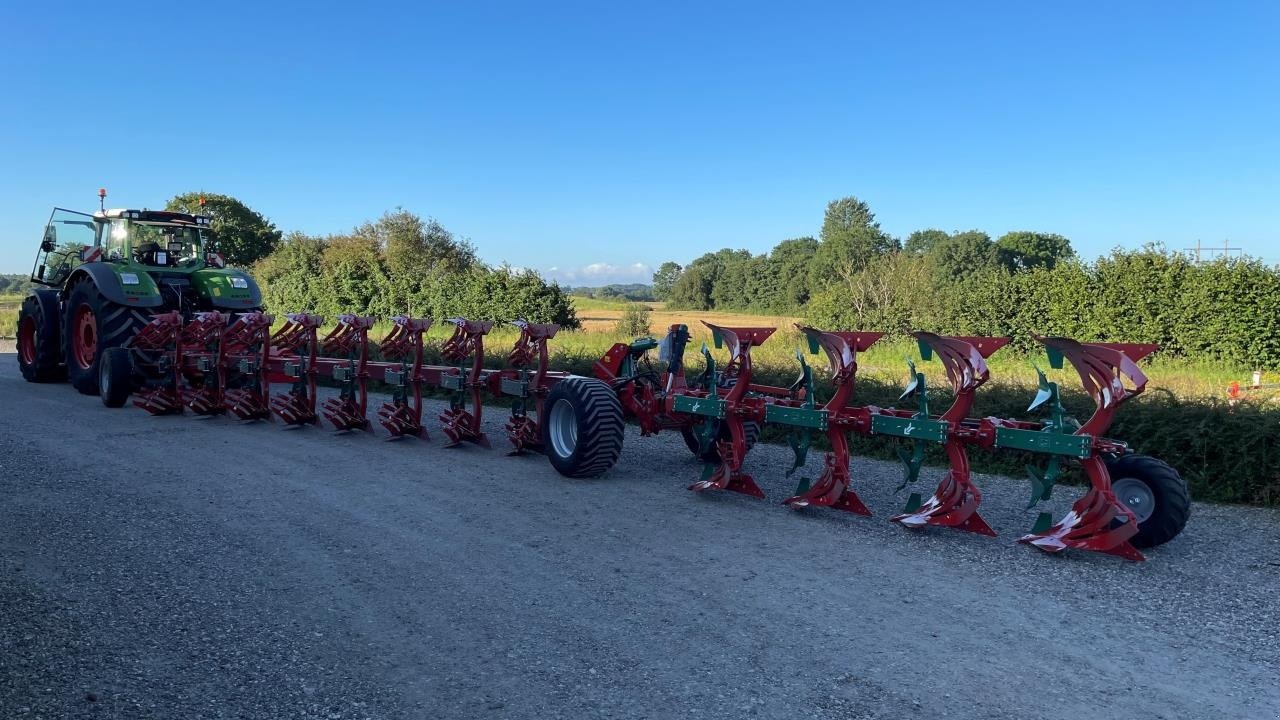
x=183 y=568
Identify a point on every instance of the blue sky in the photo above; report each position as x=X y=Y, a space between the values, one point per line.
x=601 y=139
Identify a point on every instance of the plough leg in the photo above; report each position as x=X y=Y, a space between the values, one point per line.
x=460 y=423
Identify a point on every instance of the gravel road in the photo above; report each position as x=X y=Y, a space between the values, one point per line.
x=183 y=568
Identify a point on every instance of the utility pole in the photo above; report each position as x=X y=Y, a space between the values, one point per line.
x=1213 y=254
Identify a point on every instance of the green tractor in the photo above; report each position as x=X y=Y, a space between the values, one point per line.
x=106 y=275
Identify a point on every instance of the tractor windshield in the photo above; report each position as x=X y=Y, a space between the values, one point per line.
x=153 y=243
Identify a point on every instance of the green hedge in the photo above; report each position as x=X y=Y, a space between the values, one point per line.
x=403 y=265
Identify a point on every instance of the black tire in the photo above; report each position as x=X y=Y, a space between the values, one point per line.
x=112 y=326
x=115 y=376
x=712 y=455
x=39 y=334
x=1152 y=489
x=582 y=430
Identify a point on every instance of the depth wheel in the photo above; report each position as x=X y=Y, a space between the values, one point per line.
x=582 y=431
x=93 y=324
x=712 y=455
x=1155 y=493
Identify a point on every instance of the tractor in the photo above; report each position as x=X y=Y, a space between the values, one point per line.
x=105 y=275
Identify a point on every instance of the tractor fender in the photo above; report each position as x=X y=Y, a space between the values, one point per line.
x=107 y=280
x=48 y=299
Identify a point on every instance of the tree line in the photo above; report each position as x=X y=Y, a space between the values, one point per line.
x=855 y=276
x=14 y=284
x=397 y=264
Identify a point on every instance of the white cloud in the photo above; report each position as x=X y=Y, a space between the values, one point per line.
x=601 y=273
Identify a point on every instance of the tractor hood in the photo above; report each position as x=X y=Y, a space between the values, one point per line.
x=227 y=288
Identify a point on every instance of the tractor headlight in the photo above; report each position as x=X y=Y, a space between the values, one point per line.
x=129 y=278
x=239 y=282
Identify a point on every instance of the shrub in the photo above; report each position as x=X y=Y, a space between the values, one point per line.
x=634 y=321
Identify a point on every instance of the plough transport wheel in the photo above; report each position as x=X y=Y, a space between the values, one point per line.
x=1155 y=493
x=582 y=433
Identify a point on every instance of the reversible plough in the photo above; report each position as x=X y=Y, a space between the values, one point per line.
x=220 y=363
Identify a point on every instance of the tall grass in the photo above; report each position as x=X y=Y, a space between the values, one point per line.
x=9 y=305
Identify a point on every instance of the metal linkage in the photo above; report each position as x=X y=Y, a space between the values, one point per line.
x=646 y=395
x=295 y=348
x=157 y=347
x=527 y=383
x=402 y=416
x=350 y=338
x=244 y=348
x=1097 y=521
x=955 y=502
x=459 y=423
x=207 y=364
x=836 y=418
x=199 y=358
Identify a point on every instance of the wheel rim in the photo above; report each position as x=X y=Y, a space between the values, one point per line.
x=27 y=340
x=84 y=337
x=563 y=428
x=1136 y=495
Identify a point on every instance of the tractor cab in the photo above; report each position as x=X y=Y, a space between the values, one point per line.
x=152 y=238
x=155 y=240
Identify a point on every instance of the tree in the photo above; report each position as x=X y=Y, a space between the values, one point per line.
x=1024 y=249
x=850 y=239
x=413 y=245
x=789 y=265
x=692 y=290
x=664 y=279
x=289 y=275
x=922 y=241
x=414 y=250
x=964 y=254
x=241 y=234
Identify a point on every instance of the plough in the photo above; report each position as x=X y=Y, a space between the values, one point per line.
x=220 y=363
x=214 y=364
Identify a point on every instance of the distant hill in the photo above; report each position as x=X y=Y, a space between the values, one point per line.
x=638 y=292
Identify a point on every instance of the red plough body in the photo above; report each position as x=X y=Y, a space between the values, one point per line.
x=831 y=489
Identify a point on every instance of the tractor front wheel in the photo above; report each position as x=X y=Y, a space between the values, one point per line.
x=582 y=430
x=1155 y=493
x=92 y=324
x=39 y=343
x=115 y=376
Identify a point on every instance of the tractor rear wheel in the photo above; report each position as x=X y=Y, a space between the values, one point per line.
x=39 y=339
x=1155 y=493
x=93 y=324
x=582 y=430
x=712 y=455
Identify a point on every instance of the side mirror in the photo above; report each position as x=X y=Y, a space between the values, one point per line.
x=50 y=238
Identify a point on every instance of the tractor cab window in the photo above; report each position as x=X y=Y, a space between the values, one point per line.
x=115 y=238
x=160 y=244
